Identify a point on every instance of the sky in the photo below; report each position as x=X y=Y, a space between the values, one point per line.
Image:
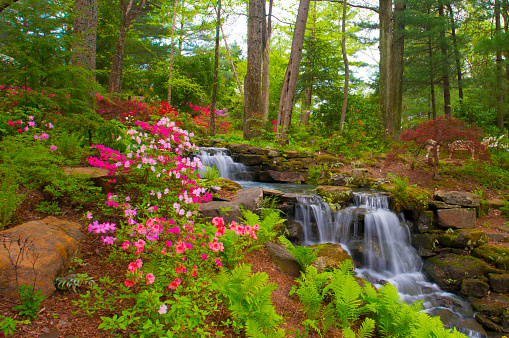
x=236 y=31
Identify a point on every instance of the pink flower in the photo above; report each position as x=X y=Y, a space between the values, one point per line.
x=180 y=248
x=256 y=227
x=44 y=136
x=163 y=309
x=150 y=278
x=215 y=245
x=173 y=285
x=129 y=283
x=220 y=232
x=180 y=270
x=126 y=245
x=89 y=215
x=233 y=226
x=52 y=148
x=139 y=244
x=218 y=222
x=141 y=229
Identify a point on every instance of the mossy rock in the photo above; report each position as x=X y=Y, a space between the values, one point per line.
x=330 y=256
x=425 y=243
x=227 y=184
x=498 y=256
x=335 y=195
x=364 y=182
x=332 y=161
x=293 y=165
x=411 y=198
x=463 y=238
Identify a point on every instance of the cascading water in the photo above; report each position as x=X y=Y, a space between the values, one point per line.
x=379 y=242
x=220 y=159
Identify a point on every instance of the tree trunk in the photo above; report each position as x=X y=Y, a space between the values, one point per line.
x=445 y=65
x=216 y=67
x=239 y=86
x=85 y=34
x=253 y=114
x=266 y=67
x=457 y=57
x=397 y=58
x=292 y=72
x=499 y=85
x=172 y=50
x=310 y=64
x=306 y=104
x=347 y=71
x=432 y=80
x=505 y=14
x=385 y=18
x=129 y=12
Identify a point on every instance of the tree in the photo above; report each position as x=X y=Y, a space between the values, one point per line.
x=216 y=66
x=267 y=32
x=347 y=72
x=292 y=72
x=129 y=11
x=85 y=33
x=253 y=113
x=172 y=49
x=445 y=63
x=6 y=3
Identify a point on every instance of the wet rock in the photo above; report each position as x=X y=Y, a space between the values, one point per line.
x=423 y=220
x=281 y=176
x=463 y=238
x=44 y=249
x=456 y=218
x=252 y=160
x=247 y=198
x=493 y=305
x=498 y=256
x=295 y=231
x=335 y=195
x=474 y=288
x=449 y=270
x=281 y=196
x=283 y=259
x=487 y=323
x=464 y=199
x=330 y=256
x=499 y=283
x=425 y=244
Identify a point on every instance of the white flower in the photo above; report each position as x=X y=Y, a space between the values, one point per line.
x=163 y=309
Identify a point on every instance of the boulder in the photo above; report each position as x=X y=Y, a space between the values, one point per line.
x=238 y=148
x=43 y=250
x=456 y=218
x=423 y=221
x=291 y=153
x=252 y=160
x=281 y=176
x=283 y=259
x=493 y=305
x=463 y=238
x=435 y=205
x=498 y=256
x=499 y=283
x=498 y=237
x=293 y=165
x=256 y=151
x=361 y=172
x=449 y=270
x=464 y=199
x=295 y=231
x=271 y=153
x=247 y=198
x=335 y=195
x=330 y=256
x=425 y=244
x=487 y=323
x=474 y=288
x=332 y=161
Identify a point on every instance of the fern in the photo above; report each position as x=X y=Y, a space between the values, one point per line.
x=73 y=281
x=309 y=290
x=305 y=256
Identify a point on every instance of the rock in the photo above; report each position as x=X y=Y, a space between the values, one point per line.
x=291 y=153
x=283 y=259
x=227 y=184
x=498 y=237
x=464 y=199
x=49 y=245
x=281 y=196
x=251 y=160
x=471 y=325
x=330 y=256
x=247 y=198
x=271 y=153
x=238 y=148
x=499 y=283
x=99 y=176
x=456 y=218
x=425 y=244
x=423 y=221
x=493 y=305
x=281 y=176
x=474 y=288
x=335 y=195
x=293 y=165
x=332 y=161
x=495 y=203
x=463 y=238
x=295 y=231
x=493 y=254
x=435 y=205
x=256 y=151
x=449 y=270
x=361 y=172
x=503 y=227
x=482 y=319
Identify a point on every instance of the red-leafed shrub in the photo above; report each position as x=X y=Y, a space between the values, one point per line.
x=445 y=133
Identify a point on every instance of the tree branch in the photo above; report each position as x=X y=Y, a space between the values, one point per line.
x=6 y=3
x=374 y=9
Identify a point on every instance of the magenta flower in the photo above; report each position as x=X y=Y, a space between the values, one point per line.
x=53 y=148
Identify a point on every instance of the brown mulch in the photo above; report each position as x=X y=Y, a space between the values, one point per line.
x=59 y=312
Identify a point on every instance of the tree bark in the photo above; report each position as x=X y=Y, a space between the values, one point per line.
x=347 y=71
x=306 y=104
x=253 y=114
x=432 y=80
x=310 y=64
x=505 y=14
x=85 y=34
x=457 y=58
x=499 y=84
x=216 y=67
x=129 y=12
x=385 y=18
x=445 y=65
x=292 y=72
x=397 y=67
x=172 y=50
x=266 y=67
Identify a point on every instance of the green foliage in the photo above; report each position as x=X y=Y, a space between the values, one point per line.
x=30 y=301
x=504 y=209
x=10 y=200
x=366 y=330
x=489 y=175
x=8 y=324
x=309 y=291
x=73 y=281
x=50 y=208
x=248 y=297
x=303 y=254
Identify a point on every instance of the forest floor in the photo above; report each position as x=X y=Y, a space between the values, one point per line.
x=59 y=317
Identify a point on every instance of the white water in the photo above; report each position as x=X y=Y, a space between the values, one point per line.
x=383 y=250
x=219 y=159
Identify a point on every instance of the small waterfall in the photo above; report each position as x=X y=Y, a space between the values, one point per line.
x=220 y=159
x=379 y=242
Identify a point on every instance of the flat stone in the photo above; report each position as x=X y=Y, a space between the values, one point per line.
x=291 y=154
x=474 y=288
x=498 y=237
x=495 y=203
x=442 y=205
x=281 y=196
x=251 y=160
x=503 y=227
x=335 y=194
x=487 y=323
x=499 y=283
x=281 y=176
x=271 y=153
x=493 y=305
x=496 y=255
x=283 y=259
x=247 y=198
x=464 y=199
x=456 y=218
x=361 y=172
x=48 y=246
x=463 y=238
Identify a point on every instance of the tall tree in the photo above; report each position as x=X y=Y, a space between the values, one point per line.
x=129 y=11
x=172 y=49
x=284 y=118
x=216 y=66
x=499 y=84
x=267 y=32
x=457 y=56
x=445 y=63
x=253 y=113
x=347 y=71
x=85 y=33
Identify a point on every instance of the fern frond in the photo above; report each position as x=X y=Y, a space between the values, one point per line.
x=367 y=328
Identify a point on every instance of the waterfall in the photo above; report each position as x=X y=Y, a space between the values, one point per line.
x=379 y=243
x=220 y=159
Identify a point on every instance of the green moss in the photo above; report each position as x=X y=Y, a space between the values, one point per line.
x=331 y=160
x=335 y=195
x=495 y=255
x=227 y=184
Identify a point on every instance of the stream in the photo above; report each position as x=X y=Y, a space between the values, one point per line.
x=377 y=239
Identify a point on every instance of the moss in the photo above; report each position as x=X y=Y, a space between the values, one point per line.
x=332 y=254
x=227 y=184
x=335 y=195
x=328 y=159
x=492 y=254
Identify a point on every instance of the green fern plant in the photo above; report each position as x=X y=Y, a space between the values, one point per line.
x=309 y=290
x=366 y=330
x=72 y=281
x=248 y=297
x=304 y=255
